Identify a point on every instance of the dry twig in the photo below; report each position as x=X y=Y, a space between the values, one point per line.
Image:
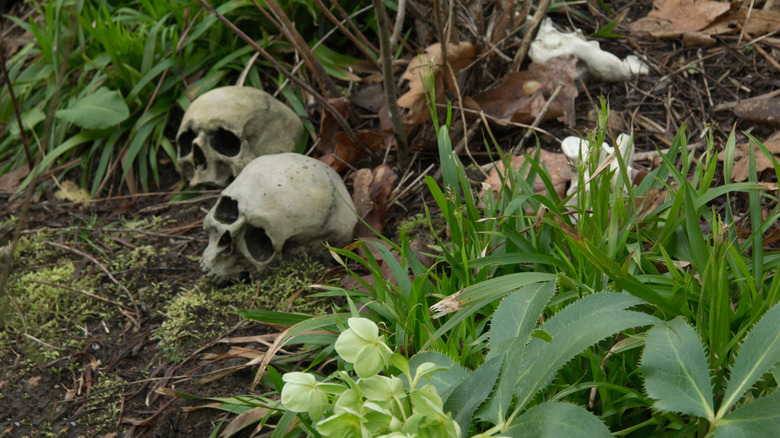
x=342 y=122
x=389 y=84
x=541 y=12
x=347 y=33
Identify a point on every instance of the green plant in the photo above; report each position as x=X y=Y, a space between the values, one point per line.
x=101 y=77
x=678 y=377
x=526 y=310
x=372 y=405
x=523 y=359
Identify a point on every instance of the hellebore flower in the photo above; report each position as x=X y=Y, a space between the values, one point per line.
x=362 y=346
x=301 y=394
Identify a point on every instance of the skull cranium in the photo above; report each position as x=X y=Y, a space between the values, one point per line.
x=226 y=128
x=278 y=205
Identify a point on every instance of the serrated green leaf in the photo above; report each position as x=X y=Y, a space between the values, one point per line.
x=469 y=394
x=759 y=353
x=556 y=420
x=517 y=316
x=573 y=329
x=445 y=380
x=675 y=370
x=99 y=110
x=757 y=419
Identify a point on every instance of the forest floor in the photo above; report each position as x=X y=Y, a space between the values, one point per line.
x=117 y=306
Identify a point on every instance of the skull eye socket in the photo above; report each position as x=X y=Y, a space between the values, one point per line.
x=226 y=143
x=258 y=244
x=185 y=142
x=227 y=211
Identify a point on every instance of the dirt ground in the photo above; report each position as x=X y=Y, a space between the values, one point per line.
x=118 y=267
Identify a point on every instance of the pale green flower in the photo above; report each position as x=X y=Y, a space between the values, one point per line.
x=301 y=394
x=382 y=389
x=343 y=425
x=362 y=346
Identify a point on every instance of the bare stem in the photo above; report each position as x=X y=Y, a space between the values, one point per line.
x=541 y=12
x=327 y=85
x=347 y=33
x=342 y=122
x=389 y=84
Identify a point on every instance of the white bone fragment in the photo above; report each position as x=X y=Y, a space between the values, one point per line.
x=550 y=43
x=577 y=149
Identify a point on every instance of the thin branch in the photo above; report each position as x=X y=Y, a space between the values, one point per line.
x=327 y=85
x=354 y=28
x=389 y=84
x=399 y=23
x=14 y=102
x=541 y=12
x=43 y=145
x=73 y=289
x=321 y=41
x=369 y=56
x=538 y=119
x=342 y=122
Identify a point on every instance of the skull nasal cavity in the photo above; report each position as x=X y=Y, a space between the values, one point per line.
x=225 y=240
x=226 y=143
x=200 y=159
x=227 y=210
x=185 y=142
x=258 y=244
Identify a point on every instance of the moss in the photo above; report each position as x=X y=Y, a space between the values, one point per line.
x=33 y=250
x=198 y=313
x=282 y=281
x=138 y=258
x=104 y=403
x=53 y=314
x=9 y=223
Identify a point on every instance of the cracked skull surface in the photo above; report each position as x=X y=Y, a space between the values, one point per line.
x=278 y=205
x=226 y=128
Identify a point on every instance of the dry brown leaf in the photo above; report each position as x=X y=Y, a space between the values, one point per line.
x=758 y=24
x=520 y=95
x=740 y=170
x=345 y=152
x=667 y=21
x=11 y=180
x=688 y=15
x=329 y=127
x=70 y=191
x=369 y=97
x=557 y=165
x=760 y=110
x=371 y=190
x=418 y=74
x=244 y=419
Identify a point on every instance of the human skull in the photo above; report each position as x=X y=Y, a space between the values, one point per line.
x=278 y=205
x=226 y=128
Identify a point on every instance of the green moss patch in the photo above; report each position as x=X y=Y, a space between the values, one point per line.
x=200 y=312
